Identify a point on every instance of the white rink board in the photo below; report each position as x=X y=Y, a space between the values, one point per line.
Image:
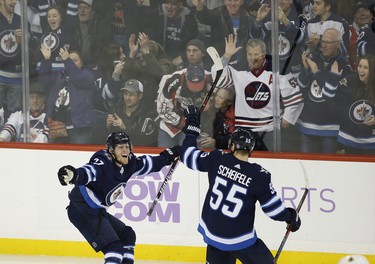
x=338 y=215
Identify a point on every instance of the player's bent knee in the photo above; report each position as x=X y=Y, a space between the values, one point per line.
x=128 y=236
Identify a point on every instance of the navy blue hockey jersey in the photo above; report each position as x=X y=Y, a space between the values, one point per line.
x=352 y=113
x=227 y=220
x=101 y=181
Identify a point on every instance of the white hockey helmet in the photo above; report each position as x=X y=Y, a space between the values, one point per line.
x=353 y=259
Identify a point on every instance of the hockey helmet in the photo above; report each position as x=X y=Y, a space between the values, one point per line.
x=353 y=259
x=117 y=138
x=243 y=139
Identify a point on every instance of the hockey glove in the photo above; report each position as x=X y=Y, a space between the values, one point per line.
x=295 y=222
x=171 y=153
x=193 y=120
x=67 y=175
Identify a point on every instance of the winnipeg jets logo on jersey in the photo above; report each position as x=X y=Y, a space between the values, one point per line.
x=113 y=195
x=63 y=98
x=8 y=43
x=51 y=41
x=284 y=46
x=359 y=111
x=257 y=95
x=316 y=94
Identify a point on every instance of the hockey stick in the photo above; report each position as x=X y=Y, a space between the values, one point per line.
x=219 y=70
x=307 y=189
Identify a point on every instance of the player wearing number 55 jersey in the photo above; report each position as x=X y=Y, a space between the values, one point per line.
x=235 y=185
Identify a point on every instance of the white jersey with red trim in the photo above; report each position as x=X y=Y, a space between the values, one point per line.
x=175 y=94
x=13 y=128
x=254 y=106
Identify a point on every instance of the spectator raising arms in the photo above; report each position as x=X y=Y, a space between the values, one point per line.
x=147 y=63
x=254 y=89
x=58 y=27
x=175 y=27
x=70 y=104
x=291 y=29
x=319 y=80
x=225 y=20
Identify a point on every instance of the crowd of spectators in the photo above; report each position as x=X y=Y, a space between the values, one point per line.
x=135 y=65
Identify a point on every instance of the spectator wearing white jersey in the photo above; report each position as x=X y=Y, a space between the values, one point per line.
x=325 y=16
x=13 y=128
x=255 y=87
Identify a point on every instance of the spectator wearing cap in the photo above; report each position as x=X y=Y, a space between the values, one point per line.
x=93 y=31
x=366 y=36
x=363 y=16
x=131 y=117
x=225 y=20
x=38 y=133
x=196 y=54
x=175 y=27
x=177 y=91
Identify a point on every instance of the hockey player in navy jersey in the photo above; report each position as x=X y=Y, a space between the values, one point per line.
x=98 y=184
x=235 y=185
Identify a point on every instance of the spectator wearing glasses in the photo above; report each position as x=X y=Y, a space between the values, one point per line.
x=319 y=81
x=325 y=16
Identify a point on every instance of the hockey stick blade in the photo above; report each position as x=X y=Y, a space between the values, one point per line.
x=307 y=189
x=219 y=70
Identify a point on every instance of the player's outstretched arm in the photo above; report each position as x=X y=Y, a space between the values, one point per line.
x=171 y=153
x=67 y=175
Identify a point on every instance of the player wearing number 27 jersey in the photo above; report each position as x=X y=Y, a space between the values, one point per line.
x=235 y=185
